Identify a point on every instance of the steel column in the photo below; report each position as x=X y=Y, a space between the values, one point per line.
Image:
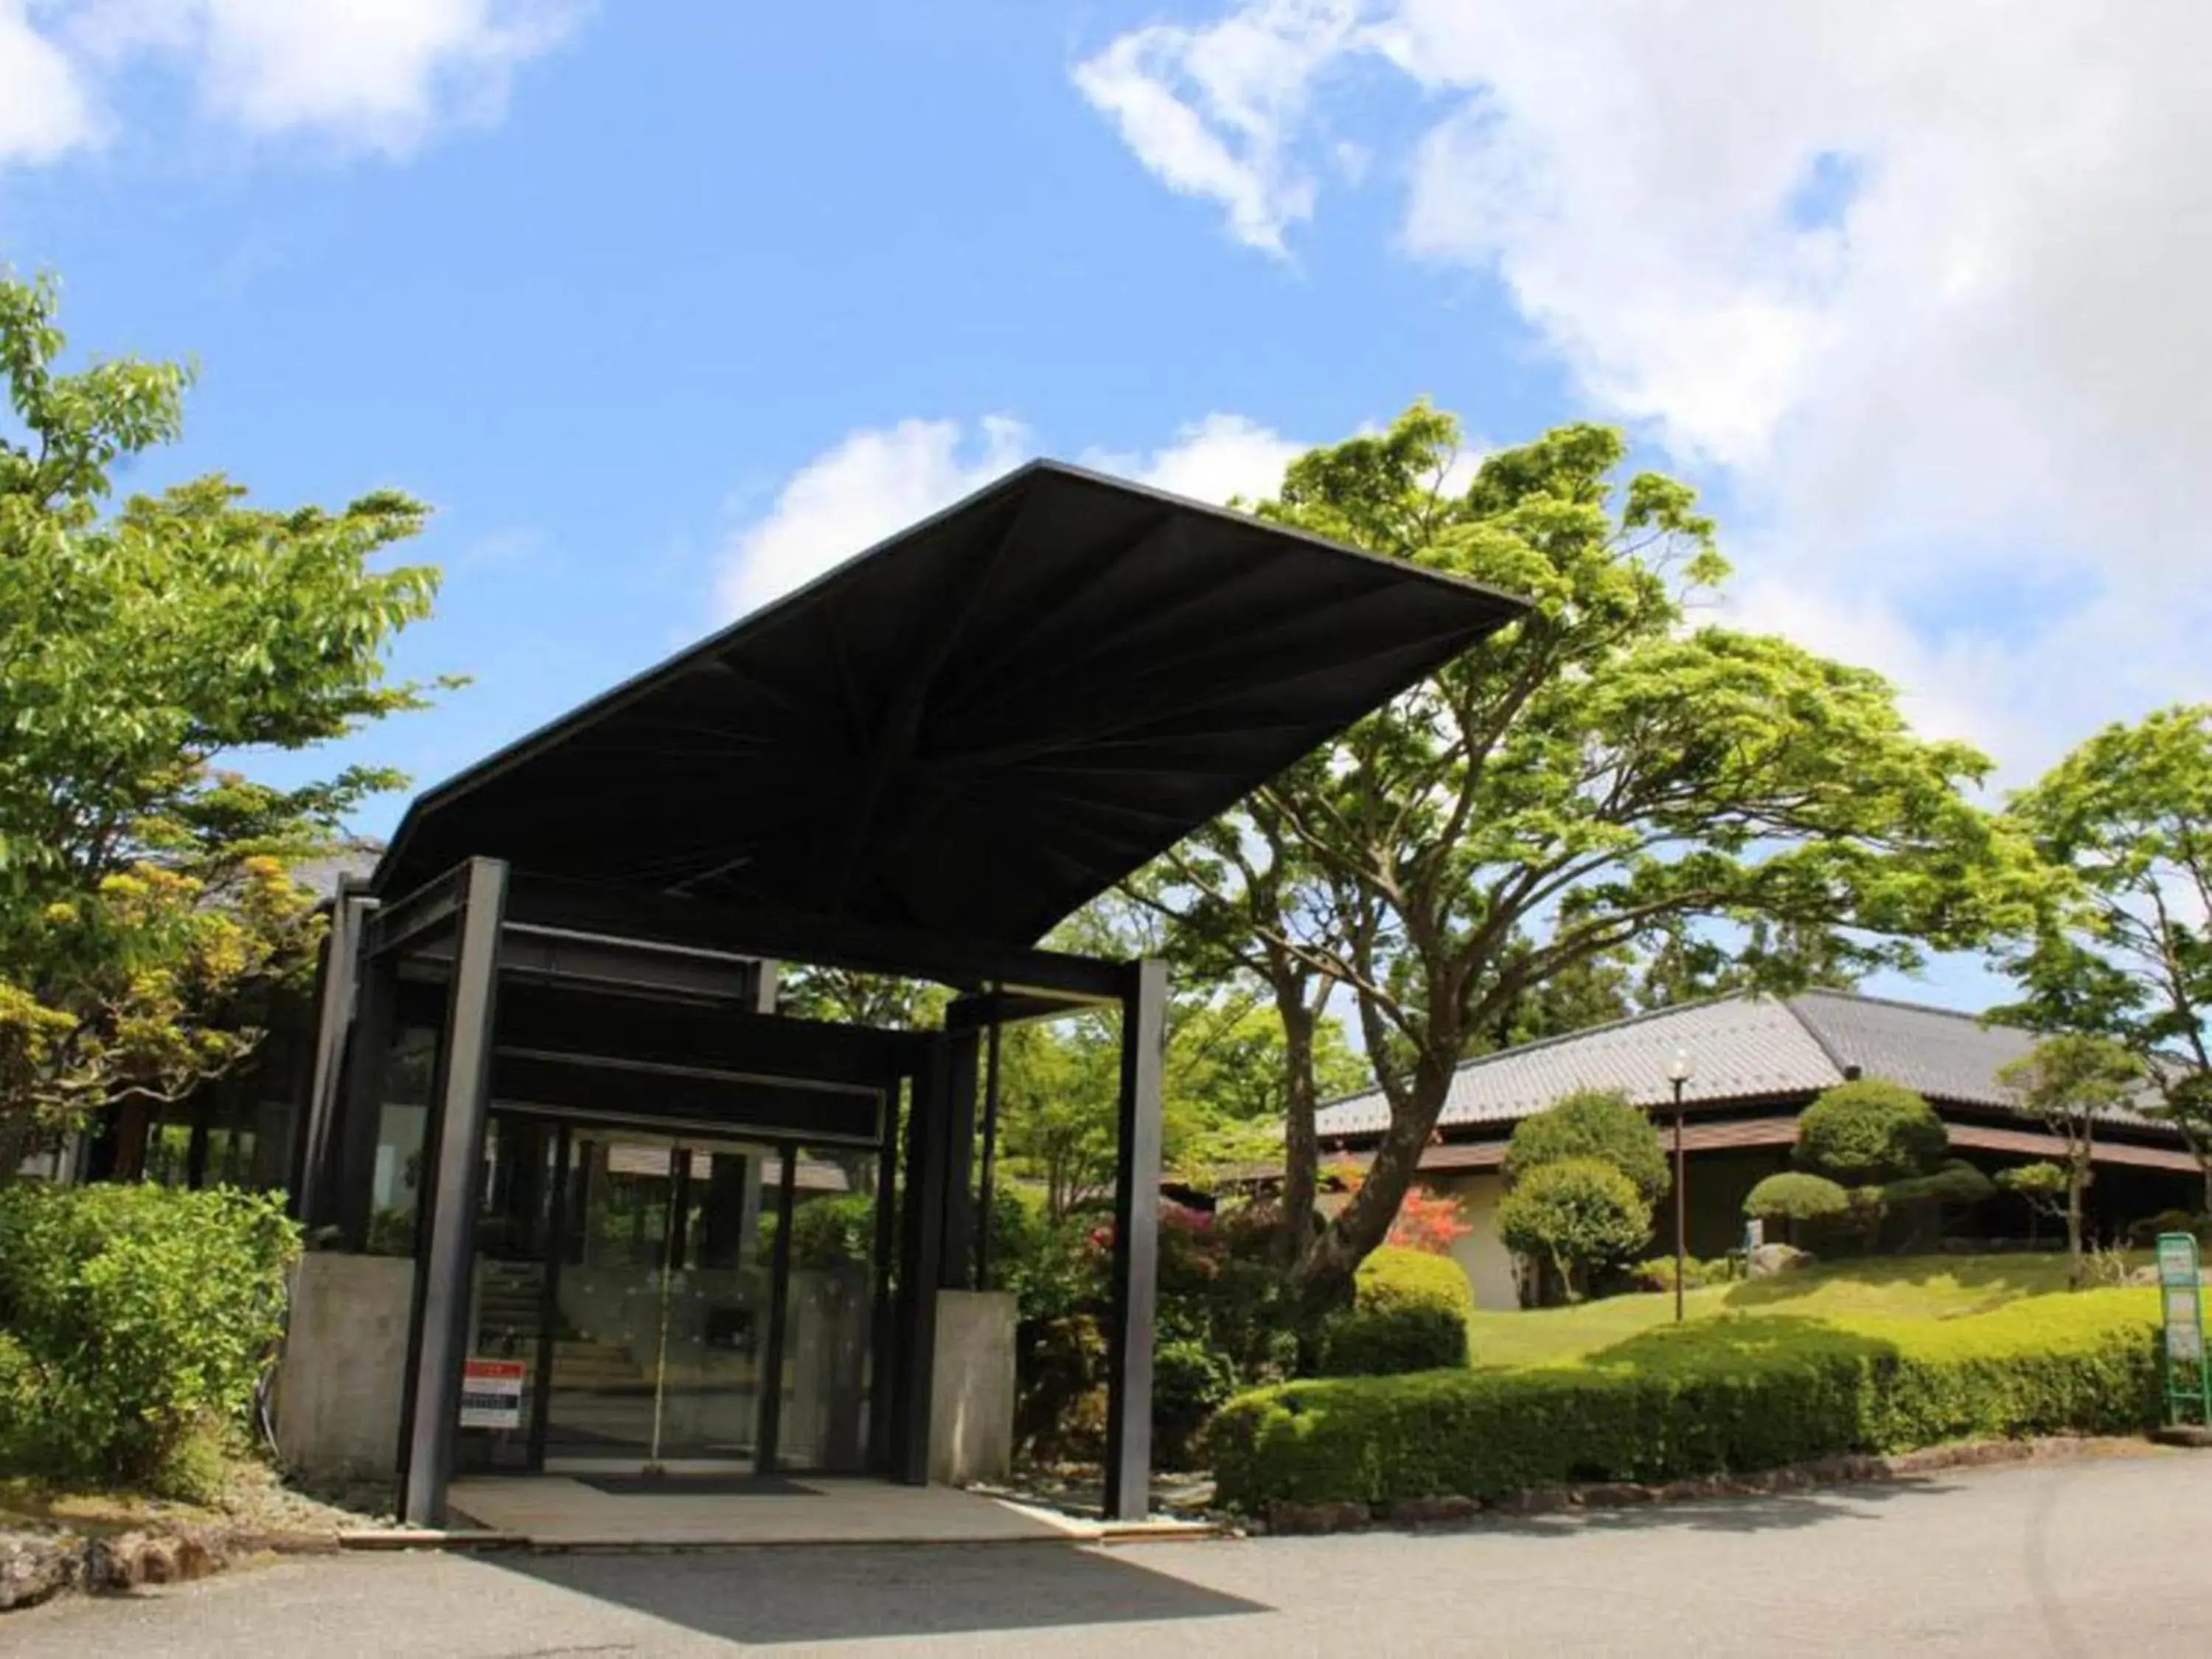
x=445 y=1257
x=336 y=983
x=1136 y=1245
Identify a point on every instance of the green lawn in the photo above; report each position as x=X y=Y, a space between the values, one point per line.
x=1900 y=1287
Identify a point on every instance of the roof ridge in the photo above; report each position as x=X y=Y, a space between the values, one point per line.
x=1639 y=1017
x=1983 y=1020
x=1843 y=1068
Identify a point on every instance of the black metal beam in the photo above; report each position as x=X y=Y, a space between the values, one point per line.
x=779 y=1315
x=444 y=1253
x=336 y=983
x=791 y=936
x=1136 y=1246
x=415 y=919
x=709 y=1101
x=348 y=1196
x=922 y=1218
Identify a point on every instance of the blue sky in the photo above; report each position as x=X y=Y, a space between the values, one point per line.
x=663 y=306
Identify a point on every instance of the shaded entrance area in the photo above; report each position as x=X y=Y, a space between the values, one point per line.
x=654 y=1222
x=564 y=1512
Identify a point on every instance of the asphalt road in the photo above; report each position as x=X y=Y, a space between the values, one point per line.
x=2101 y=1556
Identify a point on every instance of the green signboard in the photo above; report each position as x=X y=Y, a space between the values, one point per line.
x=2188 y=1378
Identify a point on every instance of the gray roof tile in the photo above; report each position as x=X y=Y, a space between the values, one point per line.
x=1741 y=1048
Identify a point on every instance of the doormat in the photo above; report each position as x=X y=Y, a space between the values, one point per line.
x=695 y=1486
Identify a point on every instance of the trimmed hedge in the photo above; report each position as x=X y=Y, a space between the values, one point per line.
x=1386 y=1341
x=1730 y=1395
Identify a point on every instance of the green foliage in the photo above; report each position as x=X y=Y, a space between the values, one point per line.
x=2125 y=952
x=1407 y=1336
x=145 y=913
x=2035 y=1182
x=1794 y=1195
x=1723 y=1396
x=1658 y=1273
x=1578 y=1215
x=1395 y=1277
x=1597 y=1123
x=1957 y=1182
x=833 y=1231
x=1409 y=1313
x=1600 y=774
x=1190 y=1382
x=2144 y=1233
x=143 y=1317
x=2073 y=1082
x=1870 y=1130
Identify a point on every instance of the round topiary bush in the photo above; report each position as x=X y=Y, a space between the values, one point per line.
x=1578 y=1215
x=1870 y=1130
x=1591 y=1123
x=1796 y=1196
x=1395 y=1277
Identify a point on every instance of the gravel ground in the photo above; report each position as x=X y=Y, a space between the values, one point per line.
x=2094 y=1556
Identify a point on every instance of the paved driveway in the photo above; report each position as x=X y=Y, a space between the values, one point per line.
x=2097 y=1556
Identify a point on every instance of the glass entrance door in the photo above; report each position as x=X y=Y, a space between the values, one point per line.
x=662 y=1301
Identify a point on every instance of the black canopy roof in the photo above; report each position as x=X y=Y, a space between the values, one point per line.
x=973 y=728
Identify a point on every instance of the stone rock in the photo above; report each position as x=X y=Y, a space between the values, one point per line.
x=1536 y=1500
x=1430 y=1511
x=34 y=1565
x=1615 y=1494
x=1768 y=1260
x=117 y=1563
x=1344 y=1516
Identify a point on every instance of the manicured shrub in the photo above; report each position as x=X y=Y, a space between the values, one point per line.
x=2144 y=1233
x=1393 y=1277
x=1658 y=1274
x=1794 y=1195
x=1393 y=1338
x=1870 y=1130
x=1579 y=1215
x=1736 y=1393
x=1190 y=1382
x=1591 y=1123
x=143 y=1317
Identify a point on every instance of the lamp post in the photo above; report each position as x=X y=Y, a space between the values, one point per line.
x=1678 y=1073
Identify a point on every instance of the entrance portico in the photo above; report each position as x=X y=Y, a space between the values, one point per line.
x=655 y=1223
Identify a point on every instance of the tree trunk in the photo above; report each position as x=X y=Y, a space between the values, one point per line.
x=1301 y=1144
x=2076 y=1179
x=1365 y=1222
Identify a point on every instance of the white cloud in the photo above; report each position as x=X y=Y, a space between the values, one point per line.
x=846 y=501
x=1212 y=111
x=1217 y=459
x=43 y=110
x=878 y=481
x=382 y=76
x=1924 y=282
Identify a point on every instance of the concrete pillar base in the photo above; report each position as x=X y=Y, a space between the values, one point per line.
x=971 y=1415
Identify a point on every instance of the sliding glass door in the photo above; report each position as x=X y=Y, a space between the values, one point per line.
x=665 y=1302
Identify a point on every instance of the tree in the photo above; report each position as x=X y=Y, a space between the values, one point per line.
x=2042 y=1186
x=1870 y=1131
x=1597 y=1123
x=1597 y=774
x=2071 y=1082
x=2128 y=953
x=1578 y=1215
x=143 y=903
x=1796 y=1197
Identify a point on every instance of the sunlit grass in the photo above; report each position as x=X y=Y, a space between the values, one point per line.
x=1901 y=1287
